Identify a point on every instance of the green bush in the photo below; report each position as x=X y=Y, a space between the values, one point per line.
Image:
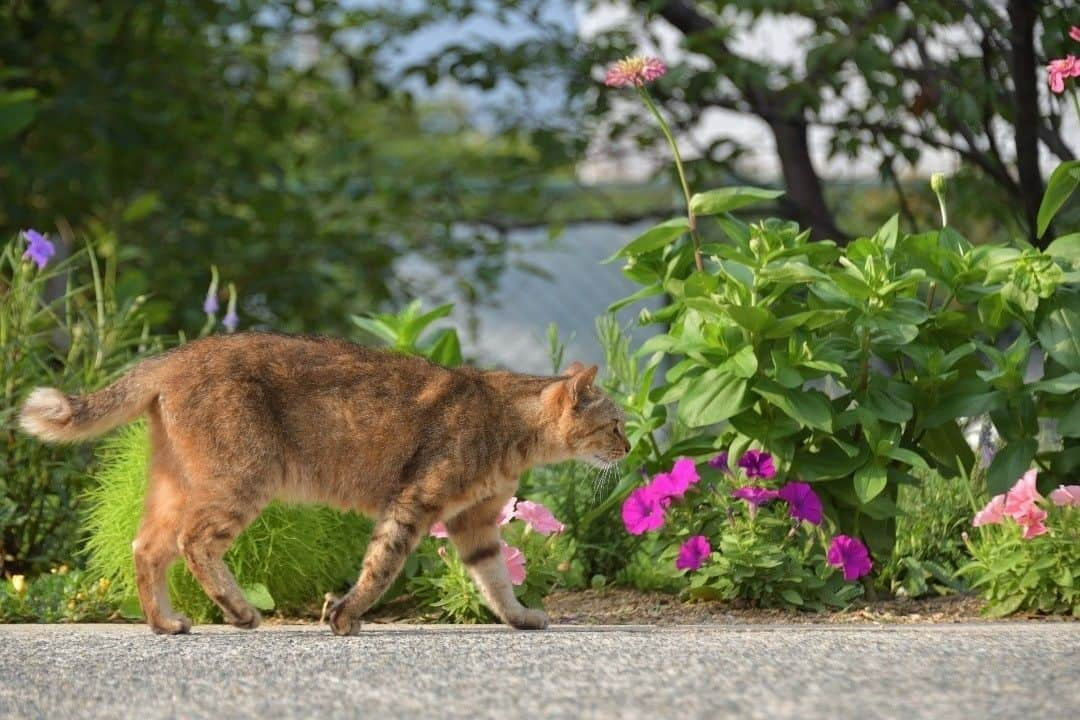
x=1035 y=575
x=60 y=326
x=63 y=595
x=286 y=559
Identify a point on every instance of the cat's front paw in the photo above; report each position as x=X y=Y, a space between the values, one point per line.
x=529 y=620
x=342 y=622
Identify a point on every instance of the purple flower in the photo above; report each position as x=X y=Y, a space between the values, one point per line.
x=757 y=464
x=693 y=552
x=38 y=248
x=803 y=502
x=231 y=320
x=755 y=495
x=720 y=462
x=850 y=554
x=642 y=511
x=210 y=304
x=675 y=483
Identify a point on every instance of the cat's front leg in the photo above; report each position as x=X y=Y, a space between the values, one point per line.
x=475 y=534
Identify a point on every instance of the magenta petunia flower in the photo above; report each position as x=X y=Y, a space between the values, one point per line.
x=634 y=71
x=674 y=484
x=538 y=517
x=720 y=462
x=693 y=553
x=1074 y=32
x=757 y=464
x=803 y=502
x=850 y=554
x=515 y=563
x=756 y=496
x=1058 y=71
x=1066 y=494
x=39 y=249
x=438 y=530
x=642 y=511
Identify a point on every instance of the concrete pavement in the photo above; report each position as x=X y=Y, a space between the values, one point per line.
x=1000 y=670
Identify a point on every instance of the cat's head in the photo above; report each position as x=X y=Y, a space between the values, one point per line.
x=587 y=424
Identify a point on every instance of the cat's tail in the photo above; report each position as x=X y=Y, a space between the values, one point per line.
x=55 y=417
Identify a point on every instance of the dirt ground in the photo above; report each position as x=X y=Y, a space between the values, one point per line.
x=623 y=606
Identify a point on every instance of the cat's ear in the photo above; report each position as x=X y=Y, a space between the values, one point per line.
x=580 y=382
x=573 y=369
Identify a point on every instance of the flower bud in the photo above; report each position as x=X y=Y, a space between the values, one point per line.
x=18 y=582
x=937 y=183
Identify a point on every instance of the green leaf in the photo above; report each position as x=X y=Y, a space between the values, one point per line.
x=655 y=237
x=258 y=595
x=130 y=608
x=713 y=397
x=1009 y=464
x=911 y=458
x=140 y=207
x=753 y=319
x=714 y=202
x=791 y=596
x=1059 y=333
x=1061 y=385
x=742 y=364
x=888 y=233
x=1069 y=423
x=378 y=328
x=17 y=110
x=1059 y=187
x=1066 y=247
x=809 y=407
x=446 y=348
x=649 y=291
x=870 y=480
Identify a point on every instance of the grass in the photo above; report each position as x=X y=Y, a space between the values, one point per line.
x=296 y=553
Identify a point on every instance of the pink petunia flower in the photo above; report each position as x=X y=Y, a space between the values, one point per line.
x=992 y=514
x=515 y=563
x=674 y=484
x=634 y=71
x=1022 y=495
x=1032 y=520
x=642 y=511
x=757 y=464
x=803 y=502
x=538 y=517
x=850 y=554
x=756 y=496
x=693 y=553
x=1074 y=32
x=507 y=512
x=1066 y=494
x=438 y=530
x=1060 y=70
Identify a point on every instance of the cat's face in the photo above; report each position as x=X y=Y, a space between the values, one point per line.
x=589 y=424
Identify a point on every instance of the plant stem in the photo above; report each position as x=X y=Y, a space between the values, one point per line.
x=679 y=168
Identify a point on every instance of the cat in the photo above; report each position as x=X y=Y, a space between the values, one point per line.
x=239 y=420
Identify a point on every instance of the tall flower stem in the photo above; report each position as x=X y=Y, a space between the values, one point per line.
x=679 y=168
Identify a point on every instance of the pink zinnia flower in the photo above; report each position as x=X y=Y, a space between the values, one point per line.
x=850 y=554
x=1023 y=494
x=1060 y=70
x=439 y=530
x=992 y=514
x=515 y=563
x=757 y=464
x=803 y=502
x=538 y=517
x=642 y=511
x=1074 y=32
x=754 y=495
x=1066 y=494
x=674 y=484
x=693 y=553
x=634 y=71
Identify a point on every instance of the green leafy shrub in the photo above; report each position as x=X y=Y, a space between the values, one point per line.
x=63 y=325
x=60 y=596
x=287 y=558
x=1034 y=575
x=852 y=365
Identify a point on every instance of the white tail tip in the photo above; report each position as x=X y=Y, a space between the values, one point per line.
x=44 y=414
